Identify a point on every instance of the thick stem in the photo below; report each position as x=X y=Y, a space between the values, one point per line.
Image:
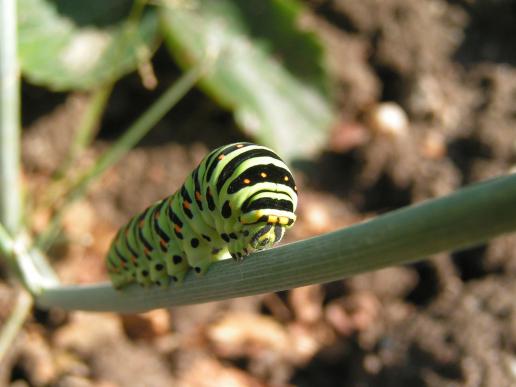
x=10 y=193
x=10 y=190
x=468 y=217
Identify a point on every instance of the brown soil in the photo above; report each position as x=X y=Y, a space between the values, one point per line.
x=447 y=321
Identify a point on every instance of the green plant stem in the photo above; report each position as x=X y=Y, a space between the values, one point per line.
x=468 y=217
x=15 y=322
x=86 y=130
x=10 y=192
x=131 y=137
x=10 y=187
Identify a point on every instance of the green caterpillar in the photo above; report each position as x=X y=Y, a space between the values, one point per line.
x=239 y=199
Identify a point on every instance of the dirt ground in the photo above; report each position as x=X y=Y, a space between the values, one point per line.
x=446 y=321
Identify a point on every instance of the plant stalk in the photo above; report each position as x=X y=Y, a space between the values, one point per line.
x=465 y=218
x=10 y=192
x=10 y=184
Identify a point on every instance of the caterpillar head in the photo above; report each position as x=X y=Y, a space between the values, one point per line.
x=267 y=201
x=265 y=227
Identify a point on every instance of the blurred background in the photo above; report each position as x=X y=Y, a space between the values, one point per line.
x=376 y=104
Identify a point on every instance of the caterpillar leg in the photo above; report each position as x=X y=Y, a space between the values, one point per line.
x=176 y=267
x=238 y=249
x=119 y=280
x=117 y=273
x=200 y=258
x=159 y=275
x=143 y=276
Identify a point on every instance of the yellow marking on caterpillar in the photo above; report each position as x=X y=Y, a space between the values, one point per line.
x=283 y=220
x=272 y=219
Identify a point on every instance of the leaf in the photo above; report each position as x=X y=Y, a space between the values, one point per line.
x=269 y=72
x=68 y=45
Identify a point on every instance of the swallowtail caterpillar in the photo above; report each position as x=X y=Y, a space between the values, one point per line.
x=239 y=199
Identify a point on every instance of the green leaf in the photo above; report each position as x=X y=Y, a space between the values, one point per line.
x=67 y=45
x=269 y=72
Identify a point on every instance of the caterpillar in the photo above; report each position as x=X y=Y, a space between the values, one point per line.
x=239 y=199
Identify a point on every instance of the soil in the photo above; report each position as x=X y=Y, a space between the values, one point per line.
x=449 y=320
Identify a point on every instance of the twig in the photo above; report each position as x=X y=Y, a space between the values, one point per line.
x=15 y=322
x=86 y=130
